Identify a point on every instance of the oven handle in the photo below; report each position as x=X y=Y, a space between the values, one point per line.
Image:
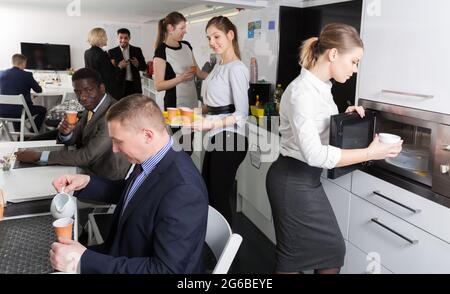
x=412 y=242
x=396 y=202
x=383 y=91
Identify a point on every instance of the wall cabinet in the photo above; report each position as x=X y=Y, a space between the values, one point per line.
x=403 y=47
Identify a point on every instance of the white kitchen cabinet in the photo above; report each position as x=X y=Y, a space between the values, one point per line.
x=344 y=181
x=340 y=202
x=252 y=185
x=404 y=45
x=402 y=247
x=359 y=262
x=429 y=215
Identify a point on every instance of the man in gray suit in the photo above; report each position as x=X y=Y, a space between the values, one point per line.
x=90 y=133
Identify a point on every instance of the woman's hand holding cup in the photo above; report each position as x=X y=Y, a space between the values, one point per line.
x=378 y=150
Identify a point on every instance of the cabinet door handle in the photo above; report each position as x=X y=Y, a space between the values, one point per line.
x=375 y=220
x=383 y=91
x=396 y=202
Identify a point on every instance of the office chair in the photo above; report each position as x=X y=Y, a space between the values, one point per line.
x=221 y=240
x=26 y=116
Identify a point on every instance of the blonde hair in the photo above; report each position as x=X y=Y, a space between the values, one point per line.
x=137 y=111
x=334 y=35
x=97 y=37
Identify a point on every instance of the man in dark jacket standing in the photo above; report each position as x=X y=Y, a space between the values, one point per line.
x=16 y=81
x=129 y=60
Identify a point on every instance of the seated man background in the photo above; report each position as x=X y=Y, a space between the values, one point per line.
x=90 y=134
x=159 y=224
x=16 y=81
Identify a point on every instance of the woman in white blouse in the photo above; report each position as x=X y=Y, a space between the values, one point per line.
x=226 y=99
x=308 y=236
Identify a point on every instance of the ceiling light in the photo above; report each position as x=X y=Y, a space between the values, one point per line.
x=199 y=20
x=200 y=11
x=226 y=13
x=231 y=13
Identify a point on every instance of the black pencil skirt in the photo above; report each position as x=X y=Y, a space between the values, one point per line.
x=306 y=229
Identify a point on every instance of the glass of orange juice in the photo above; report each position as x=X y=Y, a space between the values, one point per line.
x=71 y=116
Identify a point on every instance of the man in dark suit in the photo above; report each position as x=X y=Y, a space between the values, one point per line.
x=16 y=81
x=159 y=224
x=129 y=60
x=94 y=152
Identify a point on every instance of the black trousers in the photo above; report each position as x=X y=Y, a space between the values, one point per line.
x=225 y=153
x=131 y=87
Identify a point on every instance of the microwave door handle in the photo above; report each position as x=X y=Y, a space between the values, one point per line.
x=396 y=202
x=384 y=91
x=376 y=221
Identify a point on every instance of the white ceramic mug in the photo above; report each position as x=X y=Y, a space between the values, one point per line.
x=63 y=205
x=387 y=138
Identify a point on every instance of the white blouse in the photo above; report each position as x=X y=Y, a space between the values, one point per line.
x=228 y=84
x=305 y=110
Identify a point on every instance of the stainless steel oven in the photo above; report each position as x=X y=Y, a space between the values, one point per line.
x=425 y=157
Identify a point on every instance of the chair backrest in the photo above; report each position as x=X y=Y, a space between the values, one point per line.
x=19 y=100
x=12 y=99
x=69 y=96
x=221 y=240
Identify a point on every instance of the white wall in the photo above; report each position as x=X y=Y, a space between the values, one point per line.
x=23 y=25
x=39 y=26
x=264 y=49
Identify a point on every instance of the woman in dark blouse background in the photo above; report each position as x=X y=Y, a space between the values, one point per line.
x=98 y=59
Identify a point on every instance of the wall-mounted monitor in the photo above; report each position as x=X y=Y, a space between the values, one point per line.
x=46 y=56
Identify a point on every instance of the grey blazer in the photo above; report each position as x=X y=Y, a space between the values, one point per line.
x=94 y=147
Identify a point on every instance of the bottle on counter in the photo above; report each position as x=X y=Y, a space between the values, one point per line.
x=258 y=103
x=277 y=97
x=253 y=70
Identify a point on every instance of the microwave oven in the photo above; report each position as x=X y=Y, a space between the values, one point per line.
x=425 y=155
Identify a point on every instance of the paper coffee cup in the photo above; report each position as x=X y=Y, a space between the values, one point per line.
x=63 y=227
x=71 y=116
x=2 y=204
x=187 y=115
x=172 y=113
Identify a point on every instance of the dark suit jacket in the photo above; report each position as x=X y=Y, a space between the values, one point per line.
x=163 y=227
x=116 y=54
x=97 y=59
x=94 y=147
x=15 y=81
